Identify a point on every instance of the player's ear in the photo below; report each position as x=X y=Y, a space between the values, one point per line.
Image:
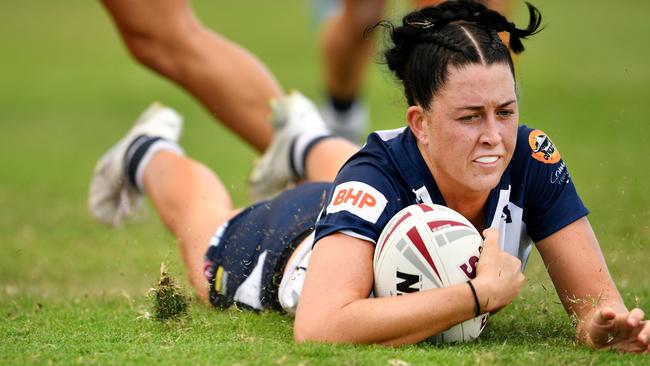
x=418 y=123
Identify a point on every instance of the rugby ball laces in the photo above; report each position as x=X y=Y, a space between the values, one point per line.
x=427 y=246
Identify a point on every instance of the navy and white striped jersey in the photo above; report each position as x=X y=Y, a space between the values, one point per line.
x=534 y=198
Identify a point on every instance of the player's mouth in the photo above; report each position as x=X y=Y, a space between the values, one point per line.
x=487 y=159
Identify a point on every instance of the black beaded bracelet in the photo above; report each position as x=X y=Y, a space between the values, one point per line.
x=478 y=305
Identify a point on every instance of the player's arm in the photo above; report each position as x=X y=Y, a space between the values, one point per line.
x=334 y=305
x=585 y=287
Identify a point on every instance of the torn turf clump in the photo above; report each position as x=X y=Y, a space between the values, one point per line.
x=169 y=300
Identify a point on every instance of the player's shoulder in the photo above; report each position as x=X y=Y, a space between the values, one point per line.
x=369 y=185
x=380 y=145
x=364 y=187
x=376 y=160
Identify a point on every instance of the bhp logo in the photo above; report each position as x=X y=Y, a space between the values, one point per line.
x=359 y=199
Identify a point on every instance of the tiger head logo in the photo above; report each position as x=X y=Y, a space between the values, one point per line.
x=543 y=148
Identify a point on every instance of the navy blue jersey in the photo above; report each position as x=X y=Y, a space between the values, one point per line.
x=534 y=198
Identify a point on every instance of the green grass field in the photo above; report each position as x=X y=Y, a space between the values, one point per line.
x=72 y=291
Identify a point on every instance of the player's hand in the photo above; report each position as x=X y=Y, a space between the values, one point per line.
x=626 y=332
x=498 y=274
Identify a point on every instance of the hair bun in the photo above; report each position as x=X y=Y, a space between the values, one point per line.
x=433 y=18
x=426 y=44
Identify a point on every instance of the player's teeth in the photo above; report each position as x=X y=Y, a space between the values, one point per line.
x=487 y=159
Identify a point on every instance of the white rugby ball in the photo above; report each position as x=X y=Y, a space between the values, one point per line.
x=428 y=246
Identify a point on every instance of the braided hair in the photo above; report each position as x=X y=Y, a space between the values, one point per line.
x=454 y=33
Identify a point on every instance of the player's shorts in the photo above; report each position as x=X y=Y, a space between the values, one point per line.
x=247 y=255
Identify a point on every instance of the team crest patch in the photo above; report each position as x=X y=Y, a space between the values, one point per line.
x=543 y=148
x=359 y=199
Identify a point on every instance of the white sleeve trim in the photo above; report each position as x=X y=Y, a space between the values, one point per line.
x=358 y=236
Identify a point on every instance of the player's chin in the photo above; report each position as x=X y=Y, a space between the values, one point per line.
x=484 y=182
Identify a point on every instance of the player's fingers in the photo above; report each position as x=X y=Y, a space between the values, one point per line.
x=635 y=317
x=605 y=315
x=491 y=242
x=644 y=336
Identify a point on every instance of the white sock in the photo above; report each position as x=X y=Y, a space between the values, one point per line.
x=141 y=151
x=301 y=146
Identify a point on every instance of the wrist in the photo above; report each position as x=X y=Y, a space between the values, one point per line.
x=482 y=295
x=477 y=304
x=584 y=327
x=582 y=336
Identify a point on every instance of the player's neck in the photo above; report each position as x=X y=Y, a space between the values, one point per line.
x=470 y=203
x=472 y=208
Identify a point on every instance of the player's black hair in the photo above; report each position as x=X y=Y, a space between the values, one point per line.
x=454 y=33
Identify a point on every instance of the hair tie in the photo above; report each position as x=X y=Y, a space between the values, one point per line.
x=477 y=304
x=422 y=24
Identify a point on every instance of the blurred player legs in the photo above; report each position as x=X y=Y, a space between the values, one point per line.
x=166 y=36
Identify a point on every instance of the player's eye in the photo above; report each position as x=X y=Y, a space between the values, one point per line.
x=468 y=118
x=505 y=113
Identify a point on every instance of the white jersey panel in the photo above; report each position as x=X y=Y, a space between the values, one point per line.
x=508 y=219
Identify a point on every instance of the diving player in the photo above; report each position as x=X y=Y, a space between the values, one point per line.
x=463 y=147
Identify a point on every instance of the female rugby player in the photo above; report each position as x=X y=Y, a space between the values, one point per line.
x=310 y=249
